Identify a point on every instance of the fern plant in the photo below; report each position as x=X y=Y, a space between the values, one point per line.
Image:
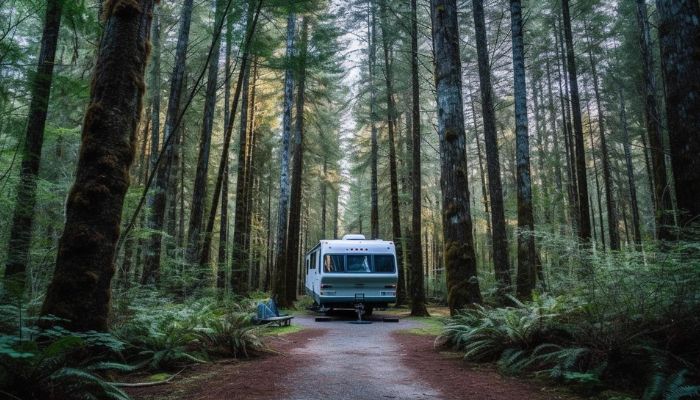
x=50 y=364
x=232 y=336
x=672 y=387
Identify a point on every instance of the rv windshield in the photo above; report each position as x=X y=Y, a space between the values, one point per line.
x=359 y=263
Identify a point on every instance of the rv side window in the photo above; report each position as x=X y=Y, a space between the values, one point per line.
x=333 y=263
x=312 y=261
x=384 y=263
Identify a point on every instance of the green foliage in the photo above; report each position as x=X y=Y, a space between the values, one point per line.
x=161 y=334
x=54 y=364
x=636 y=317
x=232 y=336
x=673 y=387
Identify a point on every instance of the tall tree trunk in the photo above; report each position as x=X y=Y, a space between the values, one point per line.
x=207 y=235
x=526 y=277
x=584 y=229
x=393 y=175
x=23 y=217
x=613 y=234
x=630 y=173
x=498 y=219
x=460 y=261
x=279 y=290
x=199 y=190
x=80 y=289
x=418 y=307
x=238 y=253
x=572 y=186
x=374 y=191
x=541 y=150
x=250 y=176
x=151 y=267
x=555 y=141
x=679 y=38
x=222 y=259
x=662 y=194
x=324 y=192
x=297 y=170
x=484 y=192
x=599 y=194
x=336 y=212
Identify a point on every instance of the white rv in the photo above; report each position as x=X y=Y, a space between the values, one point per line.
x=351 y=271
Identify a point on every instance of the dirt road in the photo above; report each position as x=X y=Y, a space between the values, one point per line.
x=338 y=360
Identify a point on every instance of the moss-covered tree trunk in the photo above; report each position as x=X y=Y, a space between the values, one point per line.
x=679 y=38
x=460 y=261
x=80 y=289
x=23 y=217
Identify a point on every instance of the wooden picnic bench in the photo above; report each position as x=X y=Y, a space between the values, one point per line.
x=268 y=313
x=283 y=320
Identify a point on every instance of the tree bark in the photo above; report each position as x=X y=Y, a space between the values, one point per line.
x=222 y=259
x=151 y=272
x=613 y=234
x=679 y=38
x=80 y=289
x=526 y=276
x=374 y=191
x=393 y=174
x=238 y=253
x=662 y=193
x=207 y=236
x=418 y=307
x=280 y=274
x=23 y=217
x=584 y=228
x=460 y=261
x=498 y=219
x=251 y=178
x=297 y=170
x=199 y=190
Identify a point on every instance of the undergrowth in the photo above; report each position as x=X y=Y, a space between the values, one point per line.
x=631 y=323
x=150 y=332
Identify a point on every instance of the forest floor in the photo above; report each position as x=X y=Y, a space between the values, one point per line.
x=338 y=360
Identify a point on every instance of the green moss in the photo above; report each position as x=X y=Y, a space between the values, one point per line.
x=283 y=330
x=158 y=377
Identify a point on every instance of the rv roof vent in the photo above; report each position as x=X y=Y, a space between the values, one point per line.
x=354 y=237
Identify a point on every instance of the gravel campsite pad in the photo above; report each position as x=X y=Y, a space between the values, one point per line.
x=339 y=360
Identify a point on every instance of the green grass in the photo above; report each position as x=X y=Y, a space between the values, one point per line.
x=283 y=330
x=430 y=326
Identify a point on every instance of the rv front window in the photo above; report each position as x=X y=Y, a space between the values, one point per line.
x=333 y=263
x=384 y=263
x=359 y=263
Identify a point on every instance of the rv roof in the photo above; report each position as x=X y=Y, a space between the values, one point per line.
x=354 y=236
